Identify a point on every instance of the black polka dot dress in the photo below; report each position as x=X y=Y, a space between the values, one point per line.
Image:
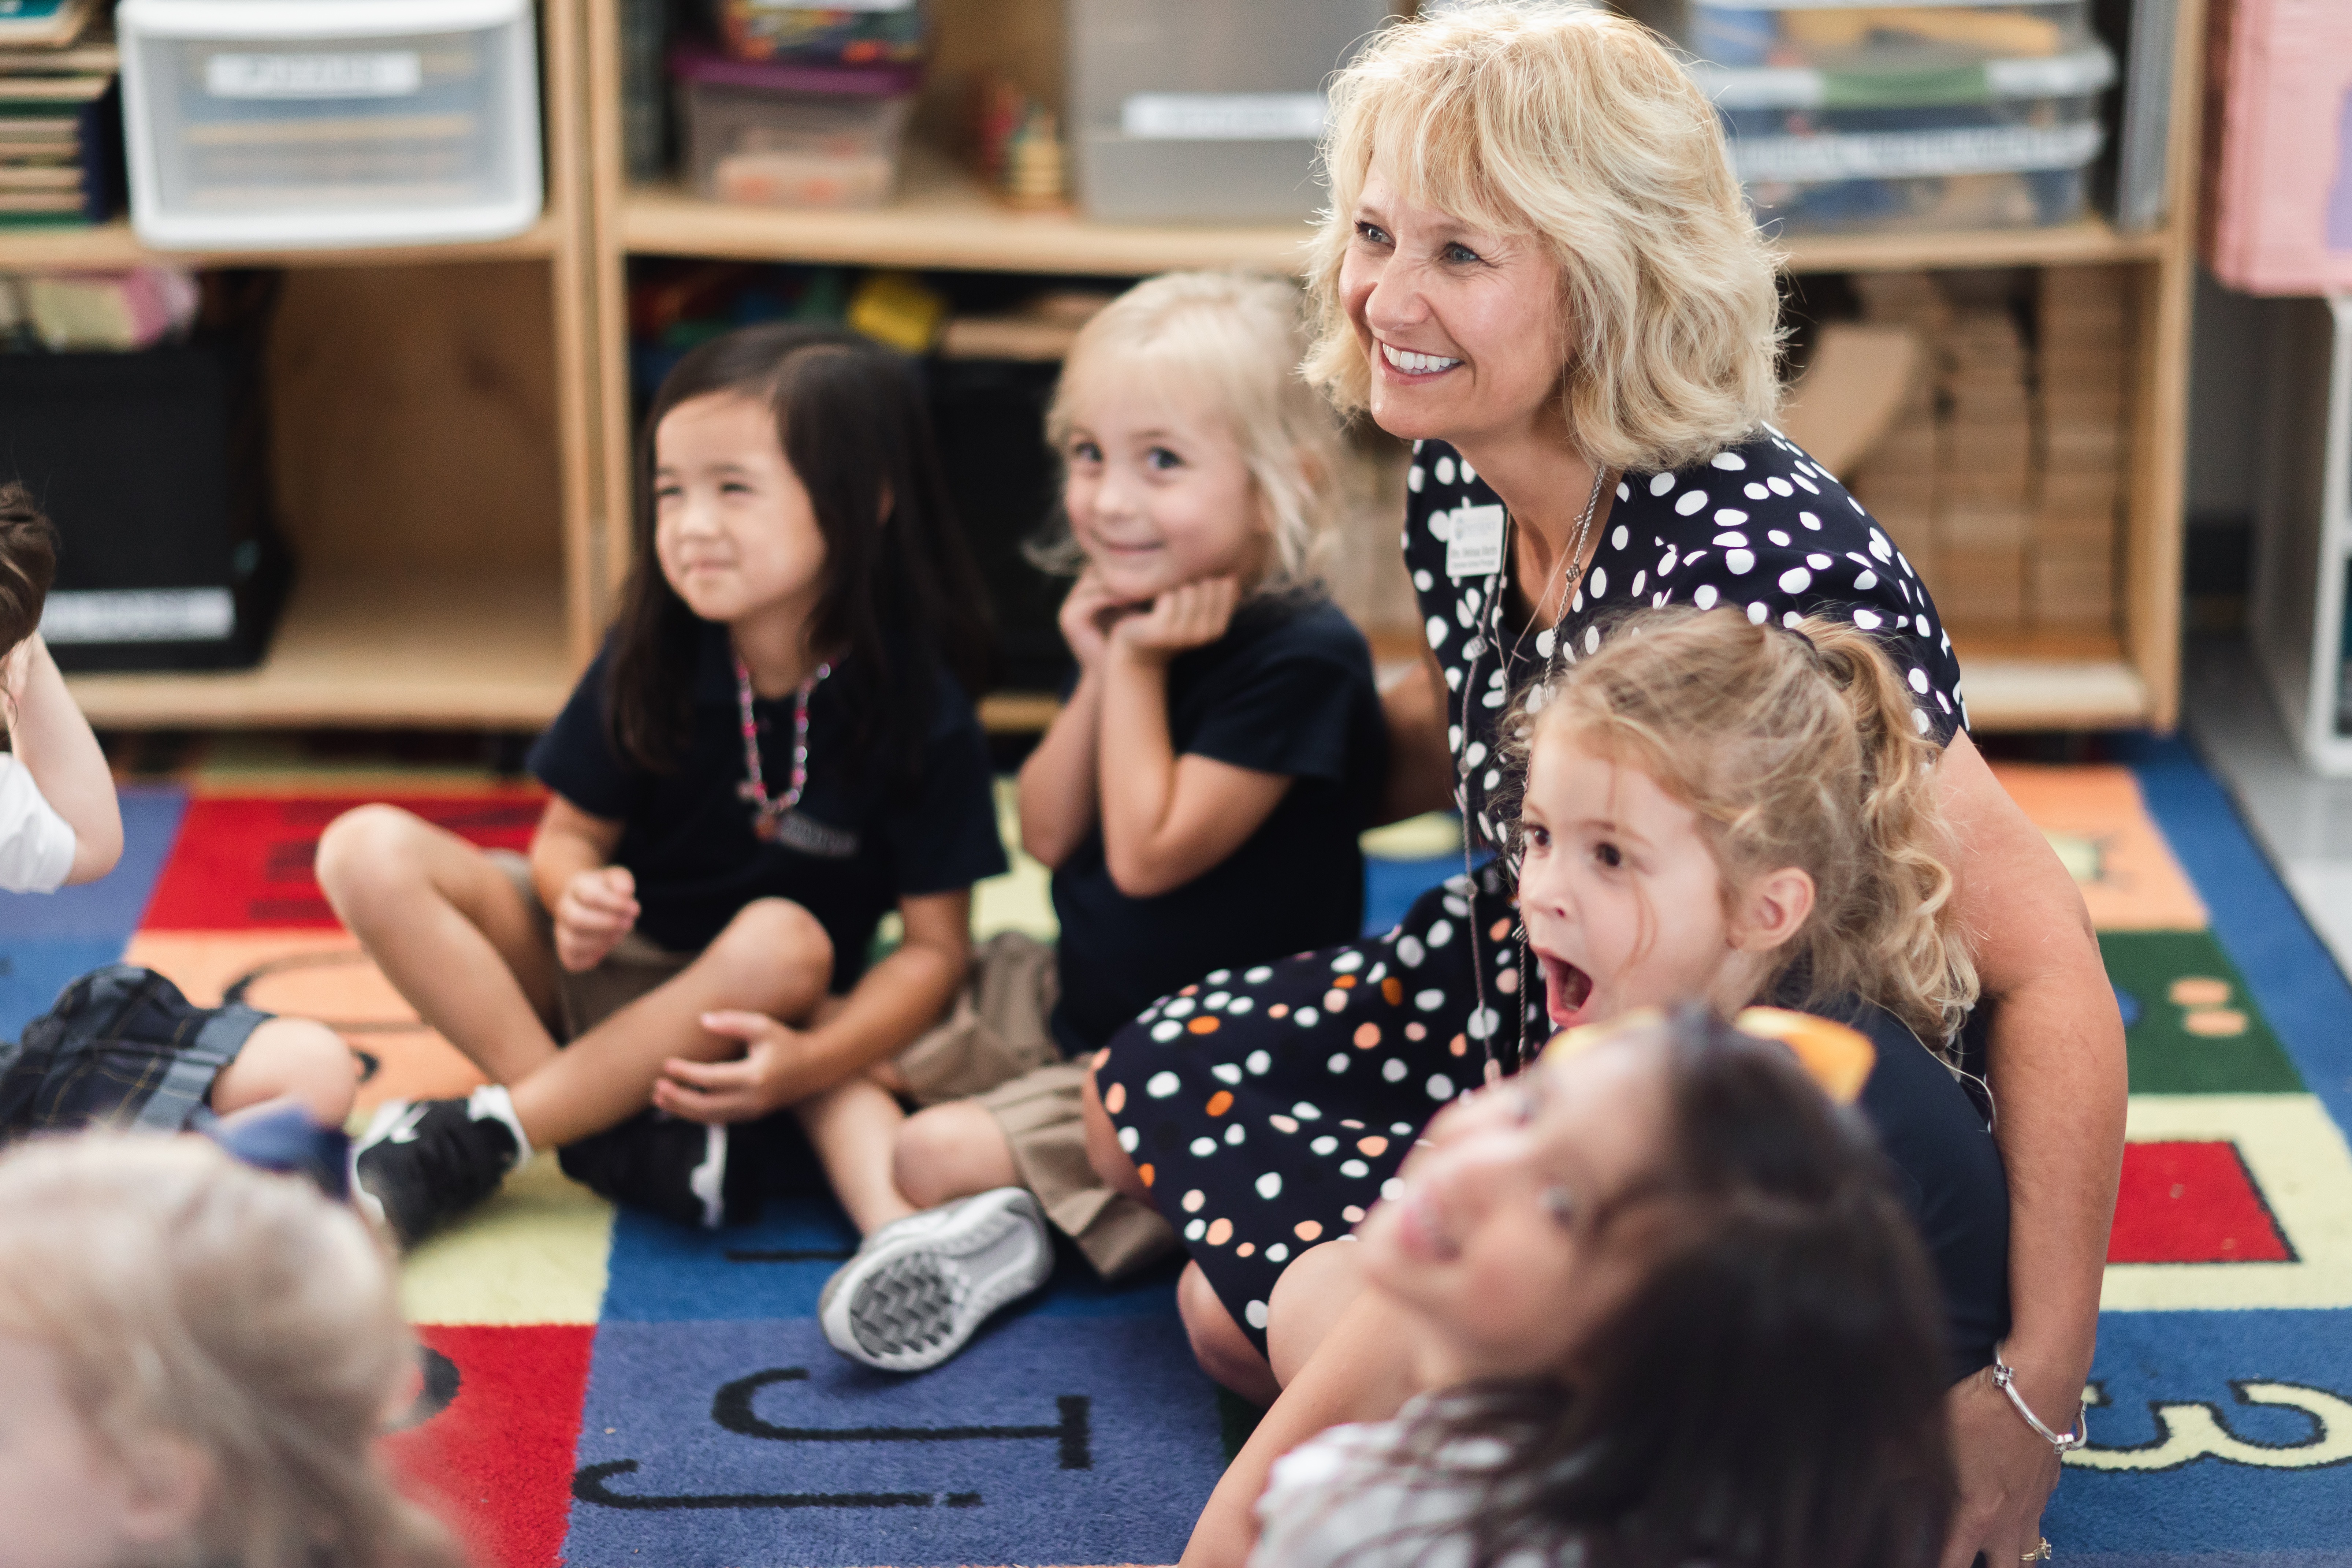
x=1268 y=1108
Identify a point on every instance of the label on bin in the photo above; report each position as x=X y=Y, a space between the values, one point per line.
x=1222 y=116
x=374 y=73
x=139 y=615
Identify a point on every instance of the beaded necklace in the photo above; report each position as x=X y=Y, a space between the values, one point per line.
x=767 y=813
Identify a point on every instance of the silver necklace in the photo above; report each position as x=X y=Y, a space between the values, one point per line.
x=1571 y=570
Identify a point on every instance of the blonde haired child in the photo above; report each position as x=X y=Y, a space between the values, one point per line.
x=1198 y=798
x=1729 y=813
x=195 y=1362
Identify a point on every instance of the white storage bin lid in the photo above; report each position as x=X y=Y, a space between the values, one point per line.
x=312 y=19
x=2075 y=74
x=1913 y=154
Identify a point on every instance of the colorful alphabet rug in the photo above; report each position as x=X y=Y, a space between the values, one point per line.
x=606 y=1390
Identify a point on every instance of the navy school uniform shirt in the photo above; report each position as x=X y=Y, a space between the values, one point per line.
x=686 y=834
x=1288 y=689
x=1948 y=1172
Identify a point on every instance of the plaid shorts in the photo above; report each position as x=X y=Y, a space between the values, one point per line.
x=122 y=1048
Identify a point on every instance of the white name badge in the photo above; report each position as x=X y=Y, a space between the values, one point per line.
x=1474 y=549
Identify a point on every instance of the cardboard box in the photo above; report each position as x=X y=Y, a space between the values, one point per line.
x=1981 y=525
x=1981 y=588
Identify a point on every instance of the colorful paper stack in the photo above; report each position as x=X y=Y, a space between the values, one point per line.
x=57 y=112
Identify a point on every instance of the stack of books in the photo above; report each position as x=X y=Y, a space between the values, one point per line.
x=59 y=112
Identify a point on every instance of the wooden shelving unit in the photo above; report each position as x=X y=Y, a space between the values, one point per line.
x=432 y=429
x=454 y=428
x=943 y=220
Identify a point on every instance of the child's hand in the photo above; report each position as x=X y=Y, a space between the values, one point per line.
x=1189 y=615
x=1088 y=614
x=597 y=909
x=770 y=1075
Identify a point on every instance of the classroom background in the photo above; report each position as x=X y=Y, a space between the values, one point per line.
x=325 y=327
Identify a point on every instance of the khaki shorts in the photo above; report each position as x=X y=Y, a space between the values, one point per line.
x=633 y=968
x=995 y=1049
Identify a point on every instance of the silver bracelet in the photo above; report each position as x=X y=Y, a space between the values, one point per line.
x=2004 y=1377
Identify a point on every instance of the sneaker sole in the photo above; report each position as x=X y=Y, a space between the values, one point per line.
x=900 y=1309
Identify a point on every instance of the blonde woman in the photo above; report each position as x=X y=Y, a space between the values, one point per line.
x=1539 y=268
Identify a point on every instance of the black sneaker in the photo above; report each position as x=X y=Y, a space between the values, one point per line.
x=423 y=1163
x=676 y=1168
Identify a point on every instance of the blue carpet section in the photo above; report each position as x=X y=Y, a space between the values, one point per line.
x=2293 y=978
x=47 y=938
x=33 y=971
x=1061 y=1439
x=2150 y=1366
x=110 y=908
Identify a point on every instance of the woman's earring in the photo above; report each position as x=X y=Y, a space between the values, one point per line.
x=1560 y=1203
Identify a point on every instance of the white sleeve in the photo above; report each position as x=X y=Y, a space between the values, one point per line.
x=1340 y=1498
x=36 y=844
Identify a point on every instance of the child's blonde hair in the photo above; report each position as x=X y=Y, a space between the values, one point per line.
x=1794 y=749
x=237 y=1311
x=1235 y=339
x=1581 y=129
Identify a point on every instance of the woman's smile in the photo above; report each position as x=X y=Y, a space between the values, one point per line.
x=1412 y=362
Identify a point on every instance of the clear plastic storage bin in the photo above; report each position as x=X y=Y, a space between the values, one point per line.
x=301 y=123
x=793 y=136
x=1206 y=112
x=1948 y=116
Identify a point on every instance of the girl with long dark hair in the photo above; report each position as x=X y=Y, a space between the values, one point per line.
x=775 y=748
x=1674 y=1314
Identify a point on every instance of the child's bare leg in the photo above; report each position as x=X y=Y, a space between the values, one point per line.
x=450 y=932
x=853 y=1126
x=949 y=1151
x=296 y=1060
x=773 y=958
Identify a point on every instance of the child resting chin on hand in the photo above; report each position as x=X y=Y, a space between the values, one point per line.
x=1198 y=799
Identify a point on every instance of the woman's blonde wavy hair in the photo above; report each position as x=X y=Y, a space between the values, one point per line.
x=1794 y=751
x=240 y=1313
x=1542 y=118
x=1234 y=340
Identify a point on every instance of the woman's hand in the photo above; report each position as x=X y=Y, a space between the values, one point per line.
x=1189 y=615
x=1088 y=612
x=597 y=909
x=2006 y=1472
x=771 y=1073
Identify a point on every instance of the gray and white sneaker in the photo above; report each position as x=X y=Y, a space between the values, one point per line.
x=919 y=1286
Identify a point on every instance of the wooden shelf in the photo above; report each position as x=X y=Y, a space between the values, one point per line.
x=943 y=219
x=2089 y=241
x=2042 y=680
x=361 y=651
x=113 y=244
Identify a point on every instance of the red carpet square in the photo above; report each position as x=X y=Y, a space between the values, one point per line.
x=244 y=862
x=2192 y=1202
x=492 y=1454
